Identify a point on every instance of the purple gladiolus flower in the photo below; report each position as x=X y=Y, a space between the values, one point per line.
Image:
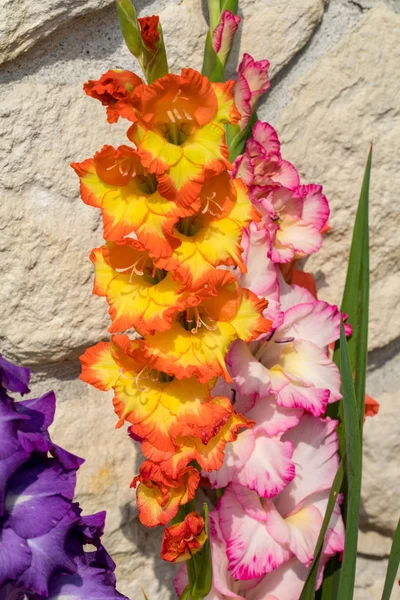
x=42 y=532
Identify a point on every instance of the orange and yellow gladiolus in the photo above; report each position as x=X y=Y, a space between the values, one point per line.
x=173 y=221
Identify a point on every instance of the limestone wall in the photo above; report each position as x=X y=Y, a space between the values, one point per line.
x=336 y=88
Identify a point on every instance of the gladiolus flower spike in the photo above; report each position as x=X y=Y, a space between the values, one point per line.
x=173 y=223
x=228 y=379
x=42 y=531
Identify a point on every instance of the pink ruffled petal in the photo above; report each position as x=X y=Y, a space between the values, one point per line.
x=315 y=456
x=290 y=295
x=287 y=175
x=269 y=468
x=249 y=375
x=315 y=206
x=303 y=237
x=261 y=277
x=223 y=583
x=316 y=321
x=243 y=167
x=303 y=531
x=181 y=580
x=312 y=378
x=285 y=583
x=242 y=96
x=271 y=418
x=256 y=74
x=251 y=550
x=266 y=135
x=250 y=501
x=236 y=454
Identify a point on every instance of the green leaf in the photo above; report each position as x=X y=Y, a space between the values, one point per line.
x=308 y=592
x=185 y=593
x=355 y=304
x=200 y=567
x=355 y=301
x=353 y=471
x=232 y=5
x=393 y=566
x=204 y=573
x=236 y=138
x=330 y=584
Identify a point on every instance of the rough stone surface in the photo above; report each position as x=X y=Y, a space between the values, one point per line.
x=370 y=579
x=24 y=22
x=47 y=232
x=280 y=34
x=335 y=87
x=348 y=100
x=380 y=511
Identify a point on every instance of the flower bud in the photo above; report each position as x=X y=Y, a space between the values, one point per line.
x=223 y=34
x=252 y=82
x=183 y=539
x=129 y=26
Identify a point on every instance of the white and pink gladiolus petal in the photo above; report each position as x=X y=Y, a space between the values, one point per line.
x=298 y=236
x=335 y=534
x=252 y=504
x=223 y=34
x=250 y=376
x=271 y=418
x=223 y=582
x=256 y=75
x=301 y=374
x=236 y=455
x=251 y=551
x=285 y=583
x=291 y=294
x=315 y=456
x=269 y=468
x=243 y=167
x=261 y=276
x=267 y=137
x=315 y=205
x=303 y=529
x=242 y=97
x=316 y=321
x=181 y=580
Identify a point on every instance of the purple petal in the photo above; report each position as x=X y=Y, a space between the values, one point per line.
x=13 y=378
x=39 y=410
x=92 y=527
x=88 y=582
x=15 y=556
x=8 y=467
x=9 y=424
x=49 y=557
x=38 y=496
x=67 y=459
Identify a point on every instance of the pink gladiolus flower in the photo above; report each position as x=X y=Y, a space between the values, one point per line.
x=259 y=459
x=293 y=362
x=262 y=163
x=223 y=34
x=251 y=83
x=262 y=534
x=293 y=219
x=294 y=215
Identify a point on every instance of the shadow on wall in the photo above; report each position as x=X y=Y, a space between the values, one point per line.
x=92 y=37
